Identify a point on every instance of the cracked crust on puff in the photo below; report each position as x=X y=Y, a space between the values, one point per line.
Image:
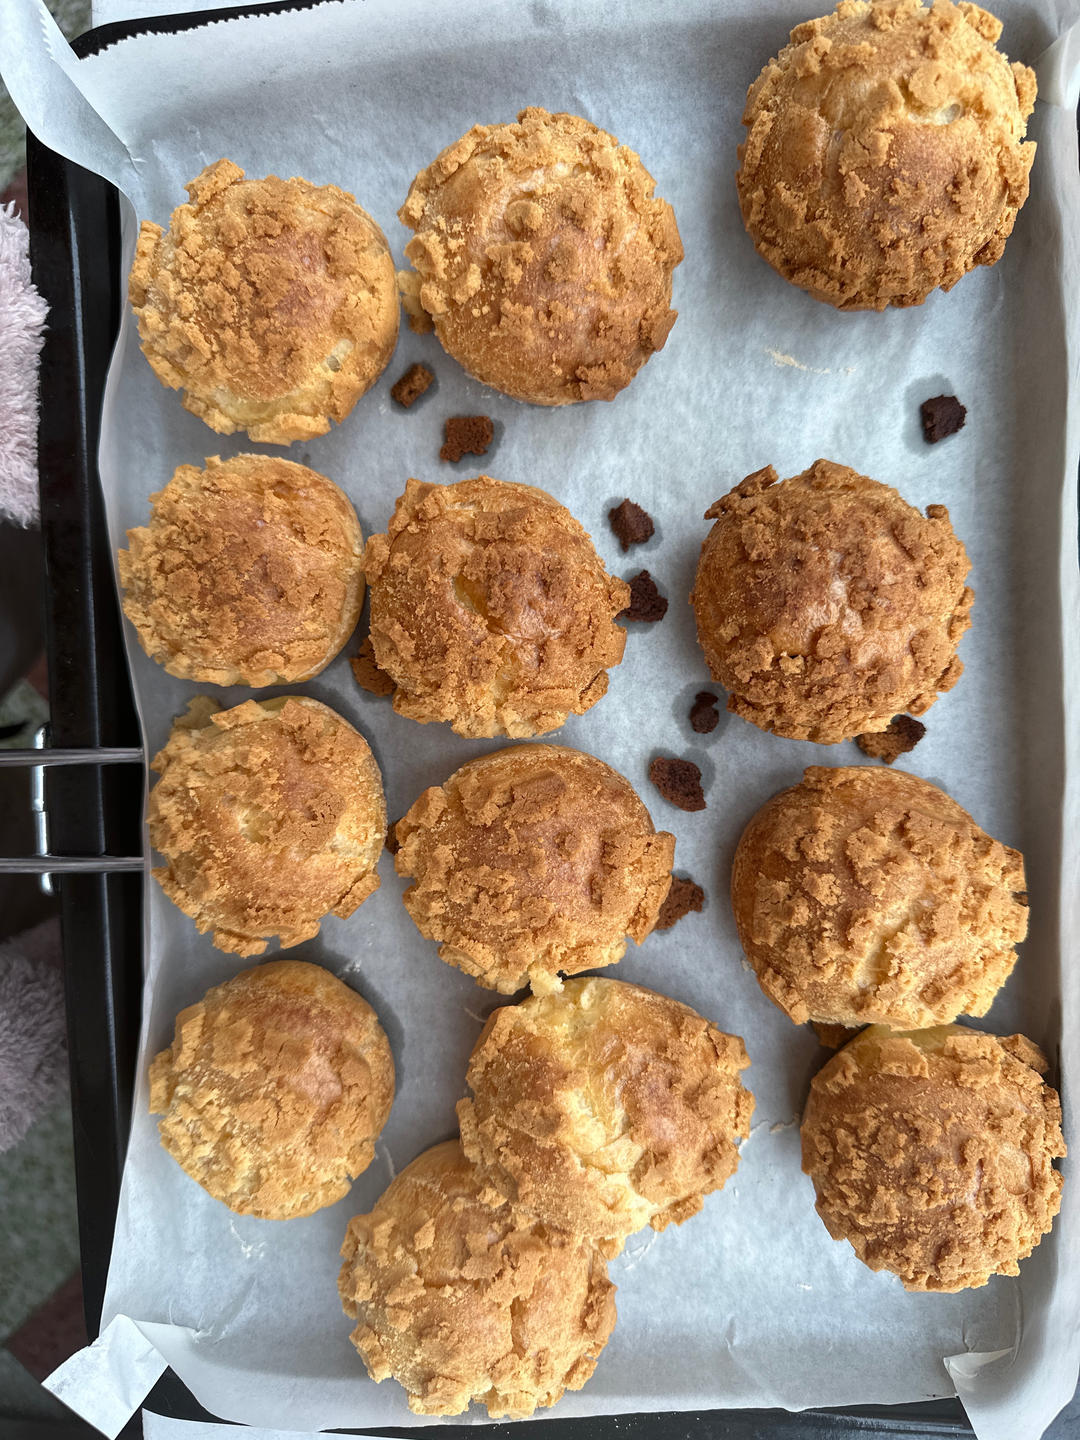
x=490 y=608
x=542 y=258
x=604 y=1107
x=826 y=604
x=269 y=816
x=461 y=1298
x=932 y=1153
x=248 y=572
x=531 y=861
x=274 y=1090
x=271 y=303
x=866 y=896
x=884 y=154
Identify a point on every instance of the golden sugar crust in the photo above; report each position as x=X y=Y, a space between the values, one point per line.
x=932 y=1152
x=533 y=861
x=274 y=1089
x=248 y=572
x=459 y=1297
x=490 y=608
x=271 y=303
x=604 y=1107
x=885 y=154
x=269 y=816
x=866 y=896
x=826 y=604
x=542 y=258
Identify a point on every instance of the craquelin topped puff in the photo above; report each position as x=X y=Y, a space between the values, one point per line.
x=884 y=154
x=491 y=609
x=603 y=1107
x=530 y=862
x=932 y=1152
x=460 y=1297
x=247 y=574
x=271 y=303
x=275 y=1089
x=542 y=258
x=269 y=816
x=867 y=896
x=826 y=604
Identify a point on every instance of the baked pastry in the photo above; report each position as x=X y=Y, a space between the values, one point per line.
x=603 y=1107
x=490 y=608
x=866 y=896
x=271 y=303
x=826 y=604
x=269 y=816
x=542 y=258
x=885 y=152
x=531 y=861
x=932 y=1152
x=459 y=1297
x=274 y=1090
x=247 y=574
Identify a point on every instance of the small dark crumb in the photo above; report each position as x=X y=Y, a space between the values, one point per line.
x=937 y=512
x=467 y=435
x=646 y=602
x=366 y=673
x=1021 y=897
x=679 y=782
x=704 y=716
x=393 y=844
x=632 y=525
x=412 y=385
x=832 y=1036
x=903 y=734
x=685 y=895
x=941 y=416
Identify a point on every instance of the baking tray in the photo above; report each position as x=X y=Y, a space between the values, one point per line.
x=75 y=256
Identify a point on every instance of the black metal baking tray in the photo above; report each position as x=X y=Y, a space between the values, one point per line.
x=75 y=257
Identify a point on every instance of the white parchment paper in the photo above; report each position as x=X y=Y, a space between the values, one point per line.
x=750 y=1303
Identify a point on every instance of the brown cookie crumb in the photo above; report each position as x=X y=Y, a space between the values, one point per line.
x=684 y=896
x=679 y=782
x=1021 y=898
x=412 y=385
x=704 y=716
x=632 y=525
x=941 y=416
x=393 y=844
x=903 y=734
x=646 y=602
x=833 y=1037
x=367 y=674
x=467 y=435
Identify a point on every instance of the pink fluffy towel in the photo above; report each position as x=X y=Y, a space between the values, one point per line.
x=22 y=323
x=33 y=1053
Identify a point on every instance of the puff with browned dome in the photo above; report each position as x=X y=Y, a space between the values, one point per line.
x=885 y=151
x=603 y=1107
x=932 y=1152
x=826 y=604
x=866 y=896
x=532 y=861
x=269 y=816
x=460 y=1297
x=274 y=1089
x=542 y=257
x=272 y=304
x=248 y=572
x=490 y=608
